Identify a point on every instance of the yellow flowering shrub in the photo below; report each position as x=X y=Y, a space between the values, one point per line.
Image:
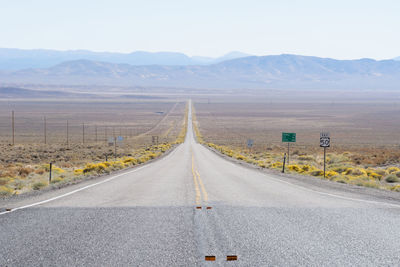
x=5 y=191
x=78 y=172
x=391 y=170
x=277 y=165
x=331 y=173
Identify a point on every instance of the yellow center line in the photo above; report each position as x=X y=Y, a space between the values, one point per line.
x=205 y=195
x=196 y=185
x=197 y=180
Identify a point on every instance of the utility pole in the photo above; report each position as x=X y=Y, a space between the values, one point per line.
x=13 y=127
x=105 y=134
x=67 y=134
x=115 y=148
x=83 y=133
x=45 y=131
x=115 y=145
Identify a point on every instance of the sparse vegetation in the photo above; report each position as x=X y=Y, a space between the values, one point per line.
x=370 y=167
x=38 y=185
x=392 y=179
x=25 y=167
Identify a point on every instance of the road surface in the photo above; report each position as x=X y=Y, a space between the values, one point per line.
x=149 y=216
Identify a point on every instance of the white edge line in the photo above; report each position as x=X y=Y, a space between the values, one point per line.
x=337 y=196
x=311 y=190
x=82 y=188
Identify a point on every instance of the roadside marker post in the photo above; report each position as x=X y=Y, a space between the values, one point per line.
x=325 y=141
x=284 y=160
x=50 y=169
x=288 y=138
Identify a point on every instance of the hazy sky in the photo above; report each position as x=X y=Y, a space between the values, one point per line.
x=336 y=28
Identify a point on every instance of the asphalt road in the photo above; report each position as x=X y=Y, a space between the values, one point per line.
x=148 y=216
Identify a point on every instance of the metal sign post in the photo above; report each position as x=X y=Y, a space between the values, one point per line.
x=288 y=138
x=283 y=166
x=325 y=141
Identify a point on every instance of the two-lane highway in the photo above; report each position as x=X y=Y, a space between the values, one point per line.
x=192 y=204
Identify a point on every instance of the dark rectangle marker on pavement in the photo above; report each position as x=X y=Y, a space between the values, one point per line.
x=231 y=258
x=210 y=258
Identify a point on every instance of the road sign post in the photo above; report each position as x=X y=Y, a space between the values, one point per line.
x=283 y=166
x=288 y=138
x=325 y=141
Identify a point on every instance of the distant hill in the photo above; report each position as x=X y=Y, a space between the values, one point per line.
x=281 y=71
x=14 y=92
x=17 y=59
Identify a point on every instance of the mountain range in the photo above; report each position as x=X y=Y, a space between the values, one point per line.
x=276 y=72
x=17 y=59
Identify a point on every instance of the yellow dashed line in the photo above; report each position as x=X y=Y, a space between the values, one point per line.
x=205 y=195
x=196 y=184
x=197 y=180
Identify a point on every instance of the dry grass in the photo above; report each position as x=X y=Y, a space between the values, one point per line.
x=365 y=149
x=25 y=166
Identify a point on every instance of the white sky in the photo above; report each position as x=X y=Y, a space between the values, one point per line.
x=336 y=28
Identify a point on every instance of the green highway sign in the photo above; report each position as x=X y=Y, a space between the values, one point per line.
x=289 y=137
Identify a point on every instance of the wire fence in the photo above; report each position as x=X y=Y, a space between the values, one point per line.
x=51 y=129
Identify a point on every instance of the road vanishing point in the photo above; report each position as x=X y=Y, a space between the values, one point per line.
x=196 y=208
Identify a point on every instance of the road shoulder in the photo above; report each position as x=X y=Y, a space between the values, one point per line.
x=321 y=185
x=57 y=190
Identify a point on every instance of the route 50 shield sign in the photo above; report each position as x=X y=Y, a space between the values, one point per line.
x=325 y=140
